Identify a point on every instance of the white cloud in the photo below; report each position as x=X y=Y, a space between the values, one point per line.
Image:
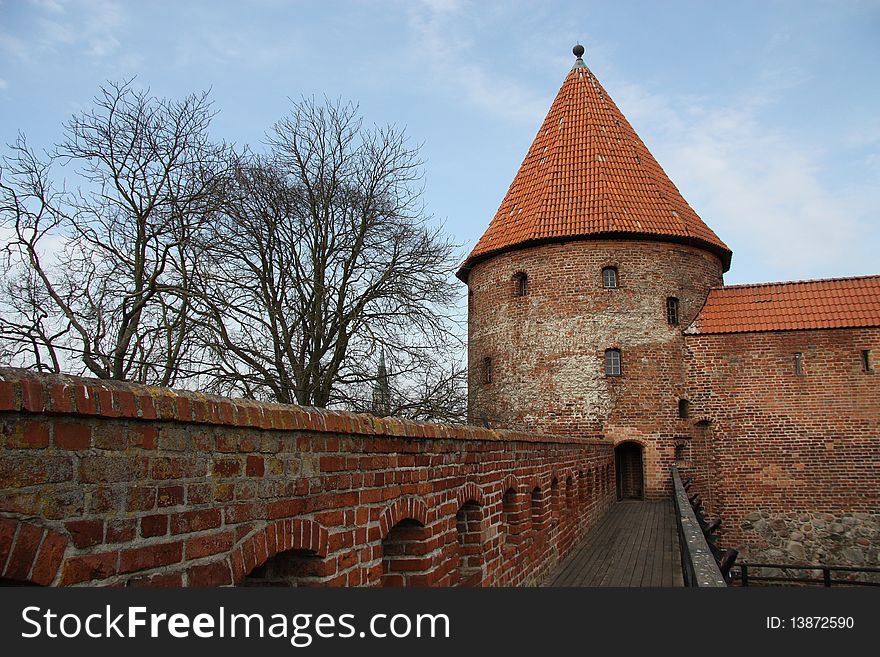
x=762 y=191
x=451 y=59
x=4 y=85
x=94 y=28
x=49 y=5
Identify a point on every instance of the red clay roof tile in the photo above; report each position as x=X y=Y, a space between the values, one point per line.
x=794 y=305
x=588 y=174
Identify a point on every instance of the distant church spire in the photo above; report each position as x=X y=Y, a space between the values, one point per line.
x=381 y=388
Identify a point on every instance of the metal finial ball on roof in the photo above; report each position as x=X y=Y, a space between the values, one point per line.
x=578 y=51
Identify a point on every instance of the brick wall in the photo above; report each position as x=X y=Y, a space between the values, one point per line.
x=791 y=462
x=122 y=485
x=547 y=348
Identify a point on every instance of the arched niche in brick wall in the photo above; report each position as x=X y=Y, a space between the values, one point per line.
x=469 y=529
x=405 y=555
x=289 y=552
x=29 y=554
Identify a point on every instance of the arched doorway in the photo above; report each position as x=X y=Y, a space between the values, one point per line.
x=630 y=471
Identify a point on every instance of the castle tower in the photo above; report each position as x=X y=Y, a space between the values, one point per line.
x=581 y=287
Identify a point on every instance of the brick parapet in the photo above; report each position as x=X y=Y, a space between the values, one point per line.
x=113 y=484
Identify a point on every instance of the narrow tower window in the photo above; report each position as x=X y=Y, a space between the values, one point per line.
x=672 y=311
x=866 y=360
x=521 y=284
x=612 y=362
x=798 y=363
x=684 y=408
x=487 y=370
x=609 y=277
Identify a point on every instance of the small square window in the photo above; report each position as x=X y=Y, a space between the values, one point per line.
x=612 y=362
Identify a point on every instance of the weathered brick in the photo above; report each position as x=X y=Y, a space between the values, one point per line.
x=29 y=435
x=73 y=435
x=24 y=552
x=106 y=469
x=170 y=496
x=89 y=567
x=85 y=533
x=152 y=556
x=210 y=575
x=194 y=521
x=49 y=559
x=163 y=580
x=143 y=436
x=154 y=525
x=177 y=467
x=204 y=546
x=121 y=530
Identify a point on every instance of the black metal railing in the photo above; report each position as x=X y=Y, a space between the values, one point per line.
x=749 y=573
x=703 y=564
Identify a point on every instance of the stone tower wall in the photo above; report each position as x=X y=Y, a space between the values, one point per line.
x=547 y=348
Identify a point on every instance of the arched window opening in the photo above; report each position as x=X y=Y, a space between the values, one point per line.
x=521 y=284
x=672 y=311
x=289 y=568
x=405 y=560
x=609 y=278
x=612 y=362
x=684 y=408
x=469 y=533
x=569 y=492
x=487 y=370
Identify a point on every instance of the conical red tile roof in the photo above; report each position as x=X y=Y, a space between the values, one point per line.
x=588 y=175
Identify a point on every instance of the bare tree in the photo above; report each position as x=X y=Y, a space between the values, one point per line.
x=323 y=256
x=107 y=265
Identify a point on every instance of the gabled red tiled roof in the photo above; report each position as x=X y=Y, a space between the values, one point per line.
x=821 y=304
x=587 y=174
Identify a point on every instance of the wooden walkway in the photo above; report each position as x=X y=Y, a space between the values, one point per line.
x=635 y=544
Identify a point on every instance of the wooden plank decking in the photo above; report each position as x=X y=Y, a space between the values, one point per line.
x=635 y=544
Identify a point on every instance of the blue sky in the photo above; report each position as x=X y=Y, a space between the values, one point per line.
x=765 y=114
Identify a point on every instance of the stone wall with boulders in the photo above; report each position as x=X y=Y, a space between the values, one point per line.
x=790 y=461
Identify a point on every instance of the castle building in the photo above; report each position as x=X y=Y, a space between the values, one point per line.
x=596 y=305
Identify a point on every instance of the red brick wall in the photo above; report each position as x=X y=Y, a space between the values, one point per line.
x=547 y=348
x=790 y=462
x=115 y=484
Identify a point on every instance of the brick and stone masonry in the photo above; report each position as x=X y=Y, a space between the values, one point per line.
x=791 y=462
x=547 y=348
x=112 y=484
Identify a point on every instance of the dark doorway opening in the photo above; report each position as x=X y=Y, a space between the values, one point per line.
x=630 y=471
